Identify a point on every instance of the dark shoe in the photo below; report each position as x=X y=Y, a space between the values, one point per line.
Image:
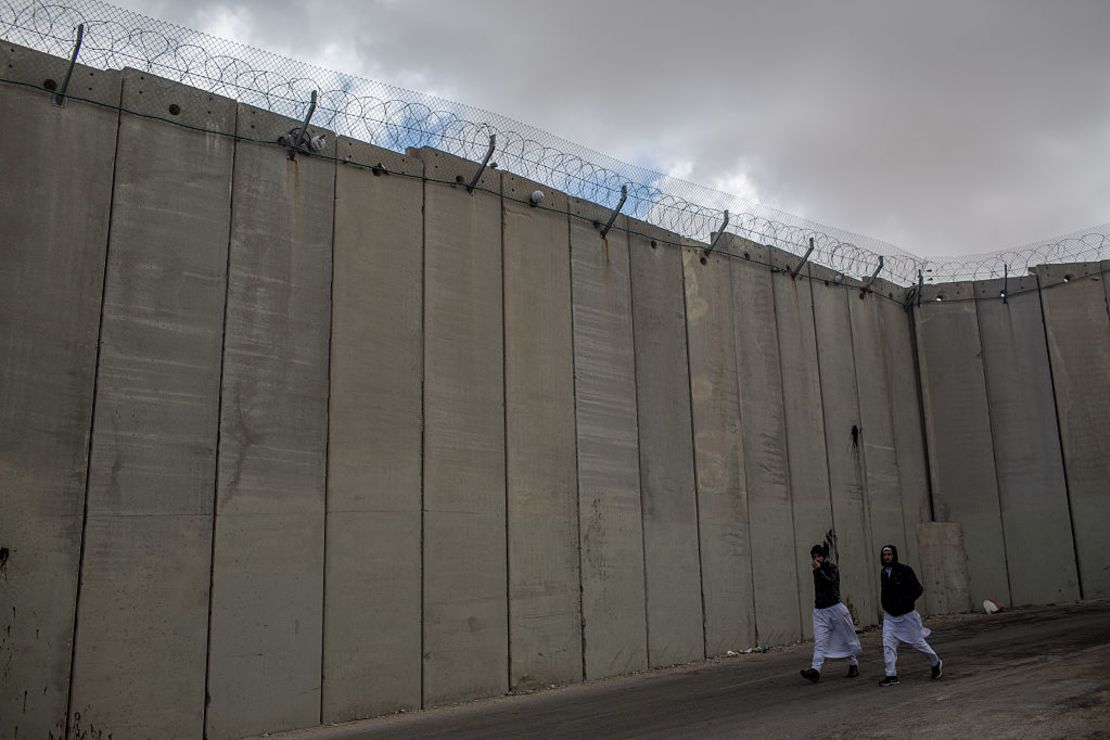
x=853 y=671
x=937 y=672
x=811 y=675
x=889 y=681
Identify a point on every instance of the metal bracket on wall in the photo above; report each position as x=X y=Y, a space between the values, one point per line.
x=298 y=139
x=870 y=280
x=805 y=258
x=920 y=286
x=913 y=295
x=720 y=231
x=481 y=168
x=60 y=97
x=616 y=211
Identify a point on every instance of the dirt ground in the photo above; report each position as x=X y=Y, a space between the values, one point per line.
x=1029 y=673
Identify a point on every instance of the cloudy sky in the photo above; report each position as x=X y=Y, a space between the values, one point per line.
x=942 y=127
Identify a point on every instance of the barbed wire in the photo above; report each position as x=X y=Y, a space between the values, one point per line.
x=394 y=118
x=1088 y=245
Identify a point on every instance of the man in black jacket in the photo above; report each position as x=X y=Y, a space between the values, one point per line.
x=834 y=635
x=901 y=622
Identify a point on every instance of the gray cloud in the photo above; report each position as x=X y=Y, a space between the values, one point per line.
x=942 y=127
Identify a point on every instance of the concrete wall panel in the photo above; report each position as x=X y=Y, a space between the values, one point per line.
x=669 y=498
x=612 y=554
x=466 y=632
x=942 y=569
x=1032 y=491
x=878 y=439
x=763 y=428
x=55 y=233
x=965 y=489
x=844 y=441
x=898 y=342
x=142 y=628
x=1078 y=328
x=372 y=593
x=805 y=432
x=545 y=611
x=723 y=520
x=268 y=570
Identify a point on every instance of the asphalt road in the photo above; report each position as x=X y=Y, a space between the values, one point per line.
x=1032 y=673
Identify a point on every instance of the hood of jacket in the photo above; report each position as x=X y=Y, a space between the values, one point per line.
x=894 y=551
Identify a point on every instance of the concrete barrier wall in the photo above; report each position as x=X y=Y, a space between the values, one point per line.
x=810 y=496
x=723 y=519
x=1077 y=325
x=152 y=474
x=844 y=443
x=614 y=610
x=672 y=562
x=878 y=445
x=958 y=424
x=943 y=566
x=265 y=634
x=466 y=444
x=1032 y=492
x=372 y=586
x=898 y=343
x=775 y=572
x=466 y=606
x=55 y=217
x=545 y=612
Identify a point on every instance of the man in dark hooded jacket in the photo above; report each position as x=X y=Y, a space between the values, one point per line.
x=901 y=621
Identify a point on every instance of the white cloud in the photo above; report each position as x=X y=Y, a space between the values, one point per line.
x=944 y=126
x=231 y=23
x=681 y=169
x=740 y=184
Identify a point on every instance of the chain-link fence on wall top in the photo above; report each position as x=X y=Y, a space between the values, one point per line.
x=394 y=118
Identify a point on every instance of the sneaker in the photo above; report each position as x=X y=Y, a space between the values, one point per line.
x=853 y=671
x=937 y=669
x=889 y=681
x=811 y=675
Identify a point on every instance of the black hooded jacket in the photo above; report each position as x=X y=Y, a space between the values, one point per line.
x=826 y=586
x=901 y=588
x=826 y=579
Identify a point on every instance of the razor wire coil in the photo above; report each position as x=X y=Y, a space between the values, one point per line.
x=396 y=119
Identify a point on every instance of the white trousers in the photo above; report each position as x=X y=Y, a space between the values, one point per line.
x=908 y=629
x=834 y=635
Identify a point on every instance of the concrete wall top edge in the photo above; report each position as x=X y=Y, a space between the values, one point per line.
x=448 y=168
x=961 y=290
x=259 y=124
x=589 y=211
x=652 y=232
x=694 y=243
x=829 y=275
x=744 y=248
x=1062 y=273
x=820 y=272
x=993 y=288
x=520 y=189
x=355 y=150
x=890 y=290
x=694 y=252
x=20 y=64
x=782 y=259
x=150 y=95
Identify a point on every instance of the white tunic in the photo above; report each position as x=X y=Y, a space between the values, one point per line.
x=906 y=628
x=834 y=635
x=909 y=629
